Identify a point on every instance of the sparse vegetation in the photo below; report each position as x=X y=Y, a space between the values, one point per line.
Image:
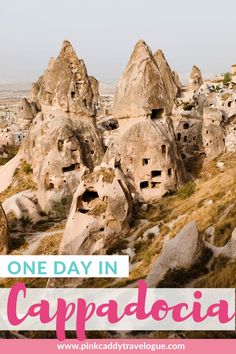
x=227 y=78
x=26 y=168
x=117 y=246
x=225 y=227
x=60 y=208
x=49 y=245
x=11 y=151
x=25 y=221
x=187 y=190
x=99 y=208
x=178 y=278
x=17 y=244
x=223 y=276
x=21 y=181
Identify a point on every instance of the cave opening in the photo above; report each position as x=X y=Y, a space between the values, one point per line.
x=89 y=196
x=143 y=184
x=157 y=113
x=156 y=173
x=70 y=168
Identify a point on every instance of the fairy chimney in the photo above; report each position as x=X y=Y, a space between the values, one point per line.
x=66 y=85
x=140 y=91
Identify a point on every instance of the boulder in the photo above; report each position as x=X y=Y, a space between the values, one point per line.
x=181 y=252
x=22 y=210
x=229 y=250
x=7 y=171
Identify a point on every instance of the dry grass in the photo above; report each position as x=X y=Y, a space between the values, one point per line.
x=29 y=282
x=221 y=277
x=219 y=187
x=11 y=151
x=49 y=245
x=17 y=245
x=213 y=185
x=22 y=180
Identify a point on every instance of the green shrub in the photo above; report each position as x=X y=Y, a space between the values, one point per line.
x=11 y=152
x=26 y=168
x=187 y=190
x=25 y=221
x=61 y=207
x=227 y=78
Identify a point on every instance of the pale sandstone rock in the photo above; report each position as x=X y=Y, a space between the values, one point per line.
x=147 y=154
x=25 y=110
x=213 y=140
x=188 y=132
x=22 y=210
x=230 y=140
x=212 y=115
x=170 y=80
x=182 y=252
x=140 y=91
x=95 y=88
x=65 y=85
x=227 y=251
x=100 y=213
x=59 y=148
x=7 y=171
x=195 y=79
x=63 y=140
x=155 y=230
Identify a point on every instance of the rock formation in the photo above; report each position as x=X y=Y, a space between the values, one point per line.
x=95 y=88
x=59 y=149
x=140 y=91
x=147 y=154
x=65 y=85
x=170 y=80
x=195 y=79
x=63 y=140
x=182 y=252
x=101 y=208
x=26 y=110
x=188 y=132
x=213 y=134
x=22 y=211
x=143 y=144
x=4 y=236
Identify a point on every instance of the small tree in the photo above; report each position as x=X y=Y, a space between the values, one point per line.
x=227 y=78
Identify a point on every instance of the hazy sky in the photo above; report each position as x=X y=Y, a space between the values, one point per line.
x=103 y=32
